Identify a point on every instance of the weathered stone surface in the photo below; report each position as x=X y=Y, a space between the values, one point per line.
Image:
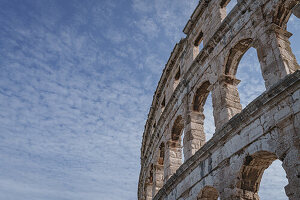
x=247 y=141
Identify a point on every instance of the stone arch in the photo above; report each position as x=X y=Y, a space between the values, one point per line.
x=177 y=78
x=194 y=137
x=251 y=172
x=283 y=12
x=235 y=56
x=208 y=193
x=274 y=51
x=173 y=148
x=200 y=97
x=177 y=129
x=161 y=155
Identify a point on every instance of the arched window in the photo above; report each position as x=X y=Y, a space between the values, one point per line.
x=173 y=152
x=252 y=82
x=177 y=130
x=273 y=182
x=200 y=97
x=293 y=25
x=198 y=45
x=203 y=110
x=176 y=78
x=163 y=103
x=227 y=96
x=226 y=7
x=252 y=171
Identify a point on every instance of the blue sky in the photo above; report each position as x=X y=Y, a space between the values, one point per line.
x=76 y=83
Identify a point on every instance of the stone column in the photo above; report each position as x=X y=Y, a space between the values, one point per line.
x=158 y=179
x=194 y=136
x=173 y=158
x=275 y=54
x=291 y=164
x=226 y=100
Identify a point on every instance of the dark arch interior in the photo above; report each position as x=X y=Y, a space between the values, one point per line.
x=161 y=154
x=200 y=97
x=235 y=56
x=177 y=128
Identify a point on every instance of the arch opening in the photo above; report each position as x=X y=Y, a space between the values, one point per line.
x=200 y=97
x=244 y=70
x=226 y=7
x=176 y=78
x=176 y=138
x=203 y=110
x=249 y=72
x=293 y=26
x=177 y=129
x=251 y=173
x=235 y=55
x=273 y=182
x=198 y=45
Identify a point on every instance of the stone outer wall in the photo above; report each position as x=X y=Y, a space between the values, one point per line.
x=246 y=141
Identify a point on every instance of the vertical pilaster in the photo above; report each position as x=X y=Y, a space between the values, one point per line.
x=173 y=158
x=275 y=54
x=291 y=164
x=226 y=100
x=194 y=136
x=158 y=178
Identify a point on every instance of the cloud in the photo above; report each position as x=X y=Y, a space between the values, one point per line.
x=148 y=27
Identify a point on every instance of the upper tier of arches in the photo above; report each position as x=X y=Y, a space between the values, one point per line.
x=177 y=107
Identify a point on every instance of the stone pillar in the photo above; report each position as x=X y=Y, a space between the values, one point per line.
x=173 y=158
x=226 y=100
x=194 y=136
x=291 y=164
x=158 y=178
x=275 y=54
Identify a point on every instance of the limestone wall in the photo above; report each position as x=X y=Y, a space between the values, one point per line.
x=190 y=74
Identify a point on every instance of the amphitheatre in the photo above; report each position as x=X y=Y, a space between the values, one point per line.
x=246 y=141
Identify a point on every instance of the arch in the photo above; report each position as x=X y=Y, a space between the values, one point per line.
x=253 y=169
x=177 y=77
x=283 y=12
x=208 y=193
x=177 y=129
x=200 y=96
x=161 y=156
x=173 y=149
x=235 y=56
